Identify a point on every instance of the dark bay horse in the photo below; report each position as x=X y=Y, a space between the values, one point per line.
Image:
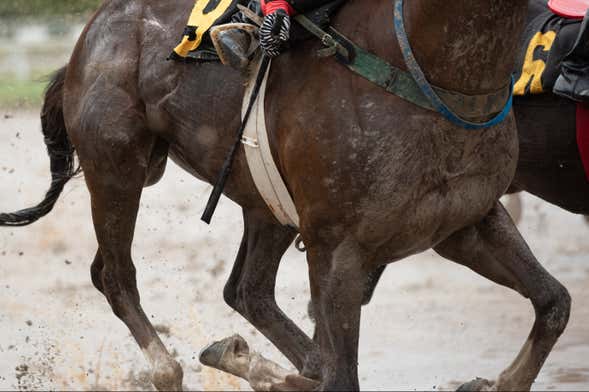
x=374 y=178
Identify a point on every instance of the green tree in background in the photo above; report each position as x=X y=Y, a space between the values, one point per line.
x=21 y=8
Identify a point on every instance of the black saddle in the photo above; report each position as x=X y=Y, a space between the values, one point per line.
x=547 y=39
x=321 y=16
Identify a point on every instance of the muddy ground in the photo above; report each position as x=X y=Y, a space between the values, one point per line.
x=431 y=325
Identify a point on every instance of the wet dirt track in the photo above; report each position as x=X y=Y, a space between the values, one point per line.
x=431 y=325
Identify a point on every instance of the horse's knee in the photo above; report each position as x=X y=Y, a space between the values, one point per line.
x=554 y=309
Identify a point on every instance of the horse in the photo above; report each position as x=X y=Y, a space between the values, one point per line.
x=374 y=178
x=549 y=163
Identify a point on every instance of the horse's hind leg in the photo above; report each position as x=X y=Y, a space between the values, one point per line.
x=495 y=249
x=116 y=164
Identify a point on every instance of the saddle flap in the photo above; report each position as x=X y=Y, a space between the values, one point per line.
x=571 y=9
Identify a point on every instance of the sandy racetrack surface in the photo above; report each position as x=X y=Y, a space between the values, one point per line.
x=431 y=325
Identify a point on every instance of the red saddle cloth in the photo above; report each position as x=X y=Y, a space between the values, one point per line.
x=583 y=134
x=572 y=9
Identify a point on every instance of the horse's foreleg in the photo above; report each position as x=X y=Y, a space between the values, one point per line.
x=115 y=167
x=495 y=249
x=313 y=362
x=250 y=288
x=338 y=281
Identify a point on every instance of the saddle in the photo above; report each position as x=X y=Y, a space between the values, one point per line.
x=570 y=9
x=197 y=46
x=549 y=36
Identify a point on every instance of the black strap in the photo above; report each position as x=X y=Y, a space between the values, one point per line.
x=226 y=169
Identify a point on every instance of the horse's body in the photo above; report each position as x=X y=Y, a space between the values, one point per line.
x=549 y=165
x=374 y=178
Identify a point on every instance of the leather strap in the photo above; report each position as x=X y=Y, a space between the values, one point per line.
x=451 y=114
x=401 y=83
x=260 y=161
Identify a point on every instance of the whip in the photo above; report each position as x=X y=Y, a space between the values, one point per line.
x=226 y=169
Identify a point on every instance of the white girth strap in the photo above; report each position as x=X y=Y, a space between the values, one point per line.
x=259 y=156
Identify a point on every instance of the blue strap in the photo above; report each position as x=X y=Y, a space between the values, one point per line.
x=427 y=89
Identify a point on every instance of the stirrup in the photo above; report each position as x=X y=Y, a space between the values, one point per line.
x=229 y=57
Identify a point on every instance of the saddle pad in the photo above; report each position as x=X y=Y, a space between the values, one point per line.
x=583 y=134
x=546 y=41
x=572 y=9
x=205 y=14
x=259 y=157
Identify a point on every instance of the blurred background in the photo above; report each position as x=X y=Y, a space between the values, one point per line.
x=36 y=38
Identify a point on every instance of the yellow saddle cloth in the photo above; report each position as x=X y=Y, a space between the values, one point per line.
x=205 y=14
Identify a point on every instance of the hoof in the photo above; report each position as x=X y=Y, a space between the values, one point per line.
x=214 y=354
x=300 y=383
x=167 y=376
x=478 y=384
x=295 y=382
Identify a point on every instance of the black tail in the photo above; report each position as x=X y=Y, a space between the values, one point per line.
x=60 y=150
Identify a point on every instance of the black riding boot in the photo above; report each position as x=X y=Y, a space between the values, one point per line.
x=573 y=81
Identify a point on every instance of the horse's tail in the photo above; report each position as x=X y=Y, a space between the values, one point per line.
x=60 y=150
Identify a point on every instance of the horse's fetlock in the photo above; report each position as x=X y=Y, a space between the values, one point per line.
x=167 y=375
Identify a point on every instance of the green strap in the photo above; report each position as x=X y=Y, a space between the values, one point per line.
x=398 y=82
x=367 y=65
x=389 y=77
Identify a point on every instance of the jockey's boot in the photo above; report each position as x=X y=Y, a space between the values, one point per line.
x=235 y=44
x=573 y=81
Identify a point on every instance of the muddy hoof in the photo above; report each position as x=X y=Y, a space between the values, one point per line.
x=478 y=384
x=213 y=354
x=231 y=355
x=167 y=376
x=295 y=382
